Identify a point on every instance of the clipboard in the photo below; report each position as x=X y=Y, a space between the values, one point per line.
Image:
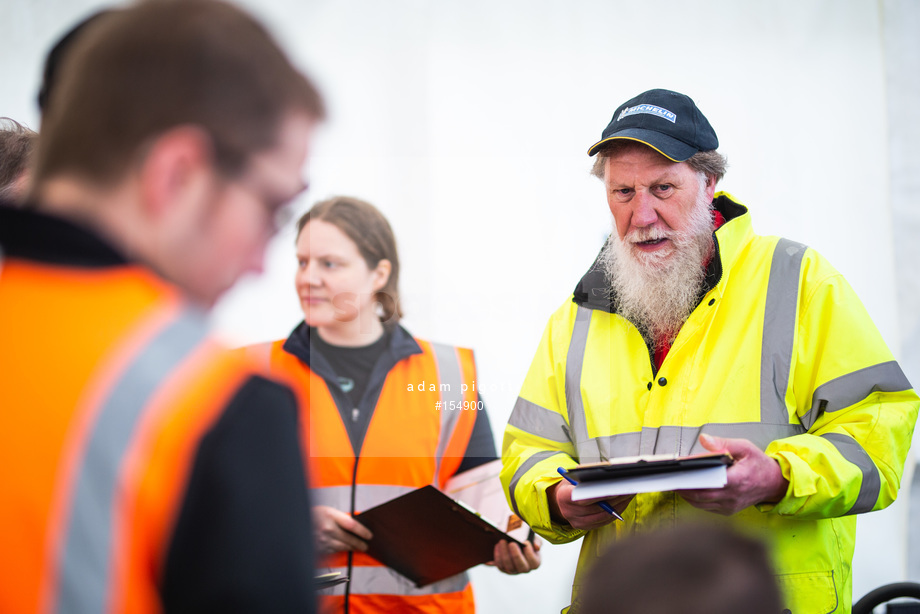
x=480 y=488
x=657 y=473
x=427 y=536
x=640 y=466
x=328 y=580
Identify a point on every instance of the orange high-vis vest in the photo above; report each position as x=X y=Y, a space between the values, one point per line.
x=98 y=436
x=415 y=438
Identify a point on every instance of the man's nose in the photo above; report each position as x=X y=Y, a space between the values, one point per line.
x=644 y=210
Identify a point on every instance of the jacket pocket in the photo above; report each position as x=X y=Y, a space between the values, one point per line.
x=809 y=593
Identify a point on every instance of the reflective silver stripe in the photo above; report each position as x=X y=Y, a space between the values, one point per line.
x=574 y=362
x=852 y=388
x=450 y=380
x=759 y=434
x=663 y=440
x=384 y=581
x=261 y=353
x=85 y=564
x=524 y=468
x=779 y=330
x=685 y=439
x=366 y=495
x=622 y=444
x=536 y=420
x=871 y=482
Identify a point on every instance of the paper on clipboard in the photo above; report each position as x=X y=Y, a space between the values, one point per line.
x=480 y=489
x=654 y=473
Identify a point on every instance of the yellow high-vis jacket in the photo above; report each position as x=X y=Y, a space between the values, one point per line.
x=779 y=351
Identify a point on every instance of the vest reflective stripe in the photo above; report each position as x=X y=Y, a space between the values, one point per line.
x=385 y=581
x=666 y=439
x=366 y=495
x=450 y=377
x=524 y=468
x=574 y=362
x=260 y=353
x=539 y=421
x=85 y=561
x=871 y=481
x=625 y=444
x=853 y=387
x=779 y=330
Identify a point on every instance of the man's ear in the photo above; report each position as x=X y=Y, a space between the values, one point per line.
x=177 y=167
x=710 y=187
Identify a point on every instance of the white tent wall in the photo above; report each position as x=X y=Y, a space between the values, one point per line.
x=902 y=53
x=467 y=123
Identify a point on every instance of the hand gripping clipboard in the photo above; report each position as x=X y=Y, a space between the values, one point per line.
x=427 y=536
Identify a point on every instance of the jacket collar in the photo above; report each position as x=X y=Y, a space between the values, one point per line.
x=401 y=345
x=593 y=292
x=31 y=235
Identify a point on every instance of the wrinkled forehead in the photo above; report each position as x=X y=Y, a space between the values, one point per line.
x=643 y=161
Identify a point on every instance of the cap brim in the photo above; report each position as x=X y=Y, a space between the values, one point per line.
x=670 y=148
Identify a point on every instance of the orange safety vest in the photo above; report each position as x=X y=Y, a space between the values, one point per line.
x=98 y=436
x=411 y=442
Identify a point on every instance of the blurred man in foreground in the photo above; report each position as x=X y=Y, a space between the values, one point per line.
x=145 y=467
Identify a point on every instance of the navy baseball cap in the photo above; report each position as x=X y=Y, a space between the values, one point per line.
x=666 y=121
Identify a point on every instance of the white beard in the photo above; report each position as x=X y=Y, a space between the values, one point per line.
x=657 y=291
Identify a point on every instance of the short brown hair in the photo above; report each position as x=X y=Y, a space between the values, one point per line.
x=690 y=569
x=136 y=72
x=710 y=163
x=17 y=144
x=370 y=231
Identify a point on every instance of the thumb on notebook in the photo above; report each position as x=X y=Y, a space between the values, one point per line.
x=712 y=443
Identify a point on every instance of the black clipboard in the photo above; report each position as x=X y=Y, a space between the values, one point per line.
x=652 y=465
x=427 y=536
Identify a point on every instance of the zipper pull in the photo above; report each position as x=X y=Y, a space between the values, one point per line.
x=354 y=414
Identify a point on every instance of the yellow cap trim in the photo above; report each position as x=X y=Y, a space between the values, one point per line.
x=630 y=138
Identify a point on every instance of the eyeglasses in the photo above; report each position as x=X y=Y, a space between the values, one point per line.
x=278 y=211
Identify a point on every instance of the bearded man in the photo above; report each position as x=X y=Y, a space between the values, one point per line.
x=692 y=334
